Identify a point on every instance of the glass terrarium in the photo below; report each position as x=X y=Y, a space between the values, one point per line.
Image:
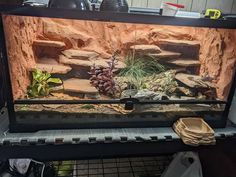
x=109 y=70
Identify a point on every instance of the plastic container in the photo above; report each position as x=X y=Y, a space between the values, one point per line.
x=185 y=164
x=196 y=126
x=194 y=131
x=170 y=9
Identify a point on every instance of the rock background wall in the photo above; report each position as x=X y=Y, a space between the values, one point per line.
x=20 y=33
x=217 y=52
x=106 y=37
x=218 y=56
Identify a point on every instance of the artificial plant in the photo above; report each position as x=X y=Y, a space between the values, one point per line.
x=42 y=84
x=139 y=67
x=103 y=77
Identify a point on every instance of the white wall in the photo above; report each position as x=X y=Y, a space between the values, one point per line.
x=226 y=6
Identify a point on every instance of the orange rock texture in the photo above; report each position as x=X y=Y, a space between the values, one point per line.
x=20 y=33
x=217 y=54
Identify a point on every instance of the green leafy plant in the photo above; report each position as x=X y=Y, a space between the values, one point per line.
x=42 y=84
x=137 y=68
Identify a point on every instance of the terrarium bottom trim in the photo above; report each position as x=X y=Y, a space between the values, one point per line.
x=77 y=114
x=116 y=108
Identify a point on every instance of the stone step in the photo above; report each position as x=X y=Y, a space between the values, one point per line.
x=88 y=63
x=52 y=68
x=166 y=55
x=185 y=47
x=46 y=60
x=79 y=54
x=179 y=42
x=146 y=49
x=79 y=86
x=188 y=70
x=184 y=62
x=46 y=43
x=193 y=81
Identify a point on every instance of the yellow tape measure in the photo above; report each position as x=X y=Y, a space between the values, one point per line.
x=213 y=13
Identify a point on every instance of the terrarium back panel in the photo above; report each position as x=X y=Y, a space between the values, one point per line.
x=64 y=59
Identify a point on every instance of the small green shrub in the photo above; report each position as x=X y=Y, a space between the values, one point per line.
x=152 y=65
x=134 y=71
x=42 y=84
x=137 y=68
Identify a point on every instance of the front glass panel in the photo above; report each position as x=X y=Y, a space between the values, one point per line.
x=65 y=59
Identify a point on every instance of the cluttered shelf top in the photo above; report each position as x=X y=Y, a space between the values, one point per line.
x=116 y=17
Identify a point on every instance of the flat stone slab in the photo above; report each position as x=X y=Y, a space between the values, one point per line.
x=186 y=47
x=79 y=54
x=52 y=68
x=46 y=43
x=88 y=63
x=166 y=55
x=193 y=81
x=183 y=62
x=179 y=42
x=79 y=86
x=50 y=61
x=146 y=49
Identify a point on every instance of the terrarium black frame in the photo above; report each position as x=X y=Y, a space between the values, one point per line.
x=215 y=120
